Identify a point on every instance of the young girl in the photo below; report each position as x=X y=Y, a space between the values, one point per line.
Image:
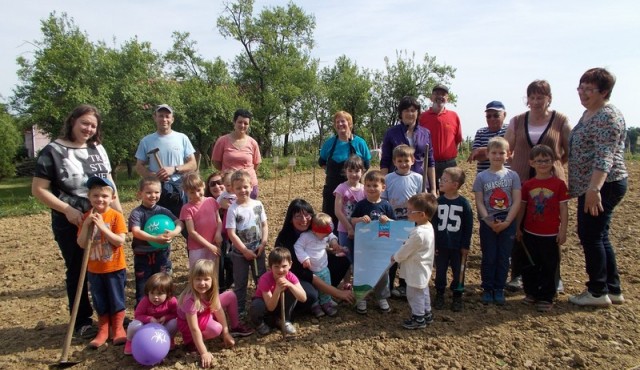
x=202 y=220
x=158 y=305
x=195 y=306
x=347 y=195
x=265 y=307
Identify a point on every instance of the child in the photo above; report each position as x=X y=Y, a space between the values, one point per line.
x=158 y=305
x=347 y=195
x=373 y=207
x=544 y=216
x=146 y=259
x=107 y=272
x=202 y=220
x=248 y=232
x=311 y=250
x=416 y=260
x=265 y=307
x=497 y=193
x=217 y=189
x=196 y=303
x=401 y=184
x=453 y=236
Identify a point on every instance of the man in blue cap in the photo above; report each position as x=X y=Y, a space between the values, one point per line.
x=495 y=114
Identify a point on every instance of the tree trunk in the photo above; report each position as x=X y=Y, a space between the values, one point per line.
x=129 y=169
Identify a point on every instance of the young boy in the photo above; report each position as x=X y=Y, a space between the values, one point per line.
x=248 y=232
x=148 y=260
x=544 y=215
x=311 y=251
x=107 y=274
x=497 y=193
x=372 y=208
x=416 y=260
x=265 y=306
x=401 y=185
x=454 y=226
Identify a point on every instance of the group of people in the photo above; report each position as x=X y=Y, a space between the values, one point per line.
x=521 y=192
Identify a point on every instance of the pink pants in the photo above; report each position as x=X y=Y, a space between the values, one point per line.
x=207 y=323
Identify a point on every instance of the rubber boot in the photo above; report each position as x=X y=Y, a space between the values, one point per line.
x=103 y=332
x=117 y=323
x=127 y=348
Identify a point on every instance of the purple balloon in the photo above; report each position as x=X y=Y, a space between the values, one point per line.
x=150 y=344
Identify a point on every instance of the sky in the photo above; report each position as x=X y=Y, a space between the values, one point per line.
x=497 y=47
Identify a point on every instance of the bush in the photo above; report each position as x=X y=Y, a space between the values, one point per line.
x=11 y=140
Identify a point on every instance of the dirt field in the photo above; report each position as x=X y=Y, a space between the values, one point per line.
x=34 y=317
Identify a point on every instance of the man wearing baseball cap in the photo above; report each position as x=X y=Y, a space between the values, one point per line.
x=446 y=131
x=495 y=114
x=176 y=154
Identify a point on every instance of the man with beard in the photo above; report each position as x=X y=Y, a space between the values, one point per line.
x=446 y=132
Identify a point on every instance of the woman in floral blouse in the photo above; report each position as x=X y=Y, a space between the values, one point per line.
x=598 y=177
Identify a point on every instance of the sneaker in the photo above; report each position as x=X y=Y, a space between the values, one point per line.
x=87 y=331
x=515 y=284
x=498 y=297
x=487 y=297
x=289 y=328
x=127 y=348
x=316 y=310
x=528 y=300
x=263 y=329
x=438 y=302
x=560 y=287
x=415 y=322
x=329 y=309
x=241 y=331
x=543 y=306
x=361 y=307
x=384 y=305
x=616 y=298
x=457 y=305
x=587 y=299
x=428 y=317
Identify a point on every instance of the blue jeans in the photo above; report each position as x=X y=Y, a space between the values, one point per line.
x=496 y=250
x=147 y=264
x=107 y=291
x=66 y=235
x=594 y=236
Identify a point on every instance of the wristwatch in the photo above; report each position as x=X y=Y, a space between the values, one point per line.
x=594 y=189
x=175 y=169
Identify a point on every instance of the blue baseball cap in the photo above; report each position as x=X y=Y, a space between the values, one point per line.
x=495 y=105
x=100 y=181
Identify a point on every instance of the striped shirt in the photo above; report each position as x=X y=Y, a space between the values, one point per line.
x=482 y=138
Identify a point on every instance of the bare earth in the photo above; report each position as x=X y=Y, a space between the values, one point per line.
x=34 y=317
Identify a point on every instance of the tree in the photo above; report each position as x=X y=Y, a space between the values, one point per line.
x=11 y=140
x=270 y=72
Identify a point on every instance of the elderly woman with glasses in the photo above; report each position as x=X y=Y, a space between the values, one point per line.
x=296 y=221
x=598 y=177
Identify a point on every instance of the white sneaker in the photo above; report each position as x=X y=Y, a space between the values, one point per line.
x=587 y=299
x=515 y=284
x=361 y=307
x=616 y=298
x=384 y=305
x=560 y=287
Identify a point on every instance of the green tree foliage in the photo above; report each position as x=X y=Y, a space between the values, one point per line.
x=11 y=141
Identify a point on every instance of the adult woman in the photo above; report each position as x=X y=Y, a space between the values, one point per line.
x=598 y=177
x=334 y=153
x=238 y=150
x=540 y=125
x=407 y=131
x=62 y=170
x=214 y=188
x=296 y=221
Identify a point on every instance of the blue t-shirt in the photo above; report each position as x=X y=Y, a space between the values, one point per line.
x=399 y=189
x=373 y=210
x=175 y=148
x=497 y=190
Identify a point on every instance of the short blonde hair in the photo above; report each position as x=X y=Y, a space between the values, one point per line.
x=240 y=175
x=498 y=142
x=346 y=116
x=321 y=219
x=403 y=151
x=192 y=181
x=456 y=174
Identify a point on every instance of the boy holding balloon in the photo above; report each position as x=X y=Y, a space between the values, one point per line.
x=153 y=227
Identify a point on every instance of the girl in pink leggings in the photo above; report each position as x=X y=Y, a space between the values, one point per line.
x=201 y=312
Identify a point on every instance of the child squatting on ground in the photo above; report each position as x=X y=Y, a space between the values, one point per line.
x=498 y=196
x=158 y=305
x=454 y=226
x=544 y=215
x=311 y=250
x=266 y=304
x=416 y=259
x=148 y=260
x=195 y=307
x=107 y=272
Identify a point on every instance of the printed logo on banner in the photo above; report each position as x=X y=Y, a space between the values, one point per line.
x=384 y=230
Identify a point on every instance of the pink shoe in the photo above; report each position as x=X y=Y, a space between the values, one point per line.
x=127 y=348
x=347 y=286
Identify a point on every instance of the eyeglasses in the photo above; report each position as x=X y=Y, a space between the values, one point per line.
x=302 y=216
x=215 y=183
x=588 y=90
x=494 y=115
x=414 y=212
x=542 y=161
x=444 y=181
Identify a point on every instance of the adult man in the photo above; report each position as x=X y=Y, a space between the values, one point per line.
x=446 y=132
x=175 y=153
x=495 y=114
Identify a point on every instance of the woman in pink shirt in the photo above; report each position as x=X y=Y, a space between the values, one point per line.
x=238 y=151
